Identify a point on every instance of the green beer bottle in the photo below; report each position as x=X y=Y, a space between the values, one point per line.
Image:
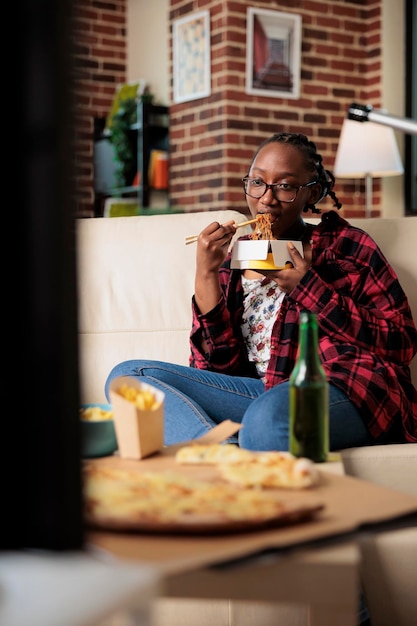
x=309 y=397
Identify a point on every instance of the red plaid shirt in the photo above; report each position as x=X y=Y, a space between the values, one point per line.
x=367 y=337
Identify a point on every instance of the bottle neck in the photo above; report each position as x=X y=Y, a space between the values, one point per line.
x=309 y=341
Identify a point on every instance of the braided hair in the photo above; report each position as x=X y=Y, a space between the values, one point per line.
x=314 y=163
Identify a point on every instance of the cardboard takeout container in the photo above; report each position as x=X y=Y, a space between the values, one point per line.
x=263 y=254
x=140 y=433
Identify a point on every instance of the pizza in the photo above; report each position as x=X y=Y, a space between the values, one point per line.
x=211 y=454
x=283 y=472
x=161 y=501
x=253 y=469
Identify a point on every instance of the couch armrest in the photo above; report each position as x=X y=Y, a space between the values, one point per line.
x=391 y=465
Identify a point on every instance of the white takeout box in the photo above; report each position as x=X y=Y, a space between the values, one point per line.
x=267 y=254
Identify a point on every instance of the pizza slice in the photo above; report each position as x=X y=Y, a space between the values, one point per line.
x=211 y=454
x=252 y=469
x=290 y=473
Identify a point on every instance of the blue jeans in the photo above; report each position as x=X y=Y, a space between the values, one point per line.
x=197 y=400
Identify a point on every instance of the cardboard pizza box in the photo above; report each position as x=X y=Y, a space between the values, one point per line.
x=348 y=504
x=263 y=254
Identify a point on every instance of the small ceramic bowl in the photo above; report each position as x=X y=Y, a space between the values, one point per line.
x=98 y=436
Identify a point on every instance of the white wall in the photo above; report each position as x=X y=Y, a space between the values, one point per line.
x=393 y=94
x=148 y=49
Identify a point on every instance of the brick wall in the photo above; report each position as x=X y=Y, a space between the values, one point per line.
x=212 y=139
x=99 y=35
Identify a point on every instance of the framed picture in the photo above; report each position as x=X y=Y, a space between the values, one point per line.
x=273 y=52
x=191 y=57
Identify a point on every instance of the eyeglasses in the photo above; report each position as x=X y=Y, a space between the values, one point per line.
x=256 y=188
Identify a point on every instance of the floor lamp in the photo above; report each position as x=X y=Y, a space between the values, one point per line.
x=367 y=151
x=367 y=113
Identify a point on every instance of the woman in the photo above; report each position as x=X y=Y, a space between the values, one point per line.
x=244 y=334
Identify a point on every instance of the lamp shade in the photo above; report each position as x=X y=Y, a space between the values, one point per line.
x=367 y=149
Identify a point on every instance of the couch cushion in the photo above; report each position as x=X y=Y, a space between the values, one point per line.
x=135 y=282
x=136 y=279
x=396 y=238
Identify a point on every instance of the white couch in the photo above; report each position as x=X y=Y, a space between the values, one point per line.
x=135 y=281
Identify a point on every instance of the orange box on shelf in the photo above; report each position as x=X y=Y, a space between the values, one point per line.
x=158 y=169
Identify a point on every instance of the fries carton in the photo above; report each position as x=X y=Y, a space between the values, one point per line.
x=138 y=413
x=140 y=431
x=258 y=254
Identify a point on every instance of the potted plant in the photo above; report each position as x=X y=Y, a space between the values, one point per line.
x=123 y=141
x=123 y=138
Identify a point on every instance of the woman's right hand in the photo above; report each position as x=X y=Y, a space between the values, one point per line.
x=212 y=246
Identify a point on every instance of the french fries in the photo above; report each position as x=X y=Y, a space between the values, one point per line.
x=143 y=399
x=95 y=414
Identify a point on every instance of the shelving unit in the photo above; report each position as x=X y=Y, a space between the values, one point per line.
x=150 y=132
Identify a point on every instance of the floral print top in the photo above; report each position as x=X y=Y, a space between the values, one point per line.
x=262 y=299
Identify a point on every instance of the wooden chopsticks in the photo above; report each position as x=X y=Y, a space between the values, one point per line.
x=193 y=238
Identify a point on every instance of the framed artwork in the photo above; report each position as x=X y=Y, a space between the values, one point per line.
x=273 y=53
x=191 y=57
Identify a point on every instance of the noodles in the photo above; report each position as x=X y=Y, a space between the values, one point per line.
x=263 y=228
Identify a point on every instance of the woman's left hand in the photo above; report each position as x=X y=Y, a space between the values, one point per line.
x=288 y=278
